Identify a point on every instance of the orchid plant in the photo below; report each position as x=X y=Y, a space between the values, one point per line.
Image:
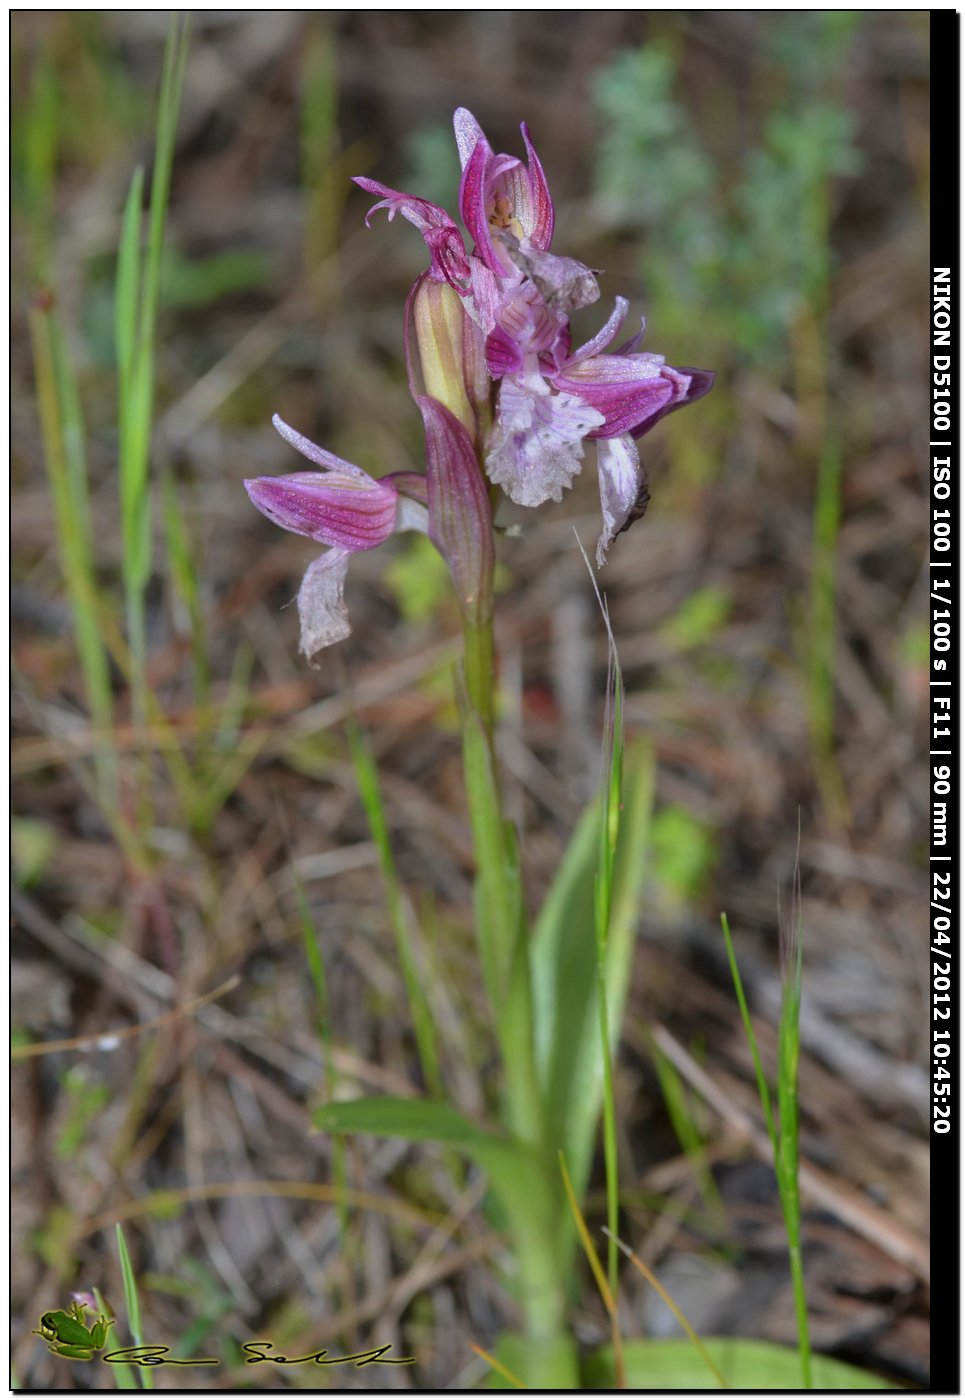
x=509 y=406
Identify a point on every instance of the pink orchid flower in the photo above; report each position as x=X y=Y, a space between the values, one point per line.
x=340 y=506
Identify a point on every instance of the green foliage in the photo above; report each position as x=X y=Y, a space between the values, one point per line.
x=132 y=1302
x=698 y=619
x=564 y=959
x=62 y=427
x=684 y=852
x=684 y=1123
x=418 y=578
x=736 y=246
x=195 y=284
x=784 y=1131
x=366 y=776
x=32 y=846
x=673 y=1365
x=138 y=292
x=85 y=1100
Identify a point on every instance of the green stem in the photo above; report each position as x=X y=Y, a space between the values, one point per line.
x=801 y=1313
x=478 y=659
x=504 y=951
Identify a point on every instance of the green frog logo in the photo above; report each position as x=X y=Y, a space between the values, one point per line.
x=67 y=1334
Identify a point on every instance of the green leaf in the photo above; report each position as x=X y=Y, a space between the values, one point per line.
x=423 y=1120
x=515 y=1175
x=746 y=1365
x=126 y=296
x=564 y=965
x=132 y=1302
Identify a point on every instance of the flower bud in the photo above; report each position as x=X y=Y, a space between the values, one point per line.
x=447 y=361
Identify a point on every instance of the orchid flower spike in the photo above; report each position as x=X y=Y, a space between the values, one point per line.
x=489 y=350
x=340 y=506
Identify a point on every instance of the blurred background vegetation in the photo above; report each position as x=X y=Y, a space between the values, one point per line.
x=185 y=806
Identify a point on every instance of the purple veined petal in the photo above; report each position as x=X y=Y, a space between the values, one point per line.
x=689 y=385
x=623 y=489
x=603 y=336
x=473 y=200
x=412 y=486
x=328 y=508
x=626 y=390
x=460 y=516
x=525 y=326
x=503 y=353
x=448 y=253
x=321 y=606
x=536 y=446
x=542 y=215
x=486 y=294
x=340 y=506
x=468 y=133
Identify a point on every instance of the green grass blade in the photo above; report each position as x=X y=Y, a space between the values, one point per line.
x=35 y=141
x=63 y=437
x=762 y=1090
x=423 y=1024
x=183 y=562
x=788 y=1160
x=123 y=1375
x=135 y=330
x=132 y=1303
x=564 y=961
x=611 y=808
x=687 y=1132
x=126 y=287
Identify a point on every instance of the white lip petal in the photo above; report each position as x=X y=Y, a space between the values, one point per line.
x=321 y=607
x=622 y=484
x=536 y=448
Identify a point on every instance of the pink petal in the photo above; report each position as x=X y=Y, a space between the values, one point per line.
x=604 y=336
x=627 y=390
x=473 y=199
x=460 y=516
x=468 y=133
x=542 y=215
x=689 y=385
x=448 y=252
x=341 y=506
